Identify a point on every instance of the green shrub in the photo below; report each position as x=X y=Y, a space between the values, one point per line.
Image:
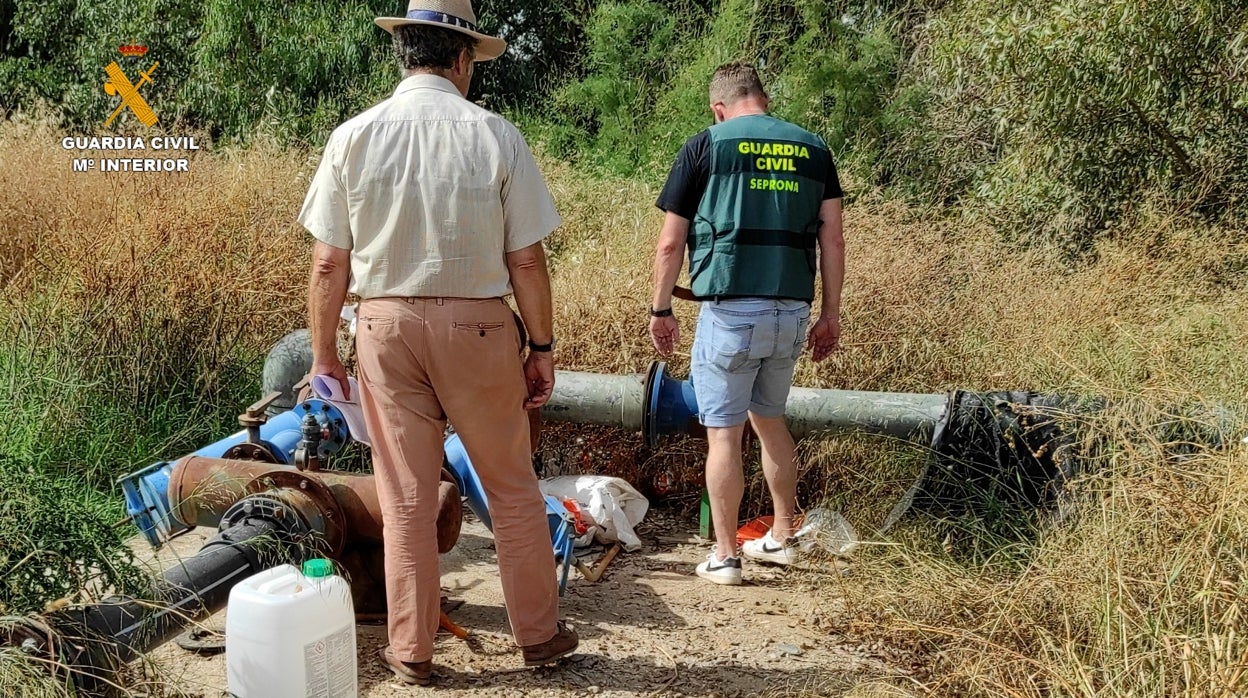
x=1104 y=105
x=649 y=63
x=294 y=70
x=57 y=539
x=630 y=57
x=1057 y=122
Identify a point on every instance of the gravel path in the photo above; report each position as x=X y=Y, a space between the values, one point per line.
x=648 y=628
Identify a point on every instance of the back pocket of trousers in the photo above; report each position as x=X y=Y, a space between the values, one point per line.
x=482 y=329
x=731 y=344
x=376 y=326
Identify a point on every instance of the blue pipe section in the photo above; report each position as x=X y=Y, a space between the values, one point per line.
x=470 y=487
x=562 y=530
x=670 y=407
x=147 y=503
x=281 y=434
x=147 y=490
x=670 y=404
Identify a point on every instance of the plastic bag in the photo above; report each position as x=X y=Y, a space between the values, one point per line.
x=615 y=506
x=827 y=529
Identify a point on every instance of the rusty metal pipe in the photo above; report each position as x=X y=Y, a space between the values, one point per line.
x=202 y=489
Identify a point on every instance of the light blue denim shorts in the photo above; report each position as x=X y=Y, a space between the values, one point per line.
x=743 y=355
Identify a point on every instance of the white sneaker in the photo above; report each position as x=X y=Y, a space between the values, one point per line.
x=768 y=549
x=726 y=571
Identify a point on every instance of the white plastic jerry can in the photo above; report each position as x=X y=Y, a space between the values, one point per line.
x=291 y=634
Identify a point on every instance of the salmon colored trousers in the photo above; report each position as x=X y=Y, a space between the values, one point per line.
x=422 y=362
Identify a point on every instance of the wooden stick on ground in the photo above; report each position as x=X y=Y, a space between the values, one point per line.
x=593 y=575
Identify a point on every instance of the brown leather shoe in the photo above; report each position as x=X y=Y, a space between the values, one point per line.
x=413 y=673
x=561 y=645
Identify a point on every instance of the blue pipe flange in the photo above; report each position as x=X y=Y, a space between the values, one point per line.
x=670 y=404
x=280 y=435
x=335 y=432
x=146 y=490
x=147 y=503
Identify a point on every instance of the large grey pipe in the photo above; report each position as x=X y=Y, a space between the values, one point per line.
x=595 y=398
x=612 y=400
x=288 y=362
x=659 y=404
x=903 y=415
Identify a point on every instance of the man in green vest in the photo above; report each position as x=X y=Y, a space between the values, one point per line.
x=757 y=202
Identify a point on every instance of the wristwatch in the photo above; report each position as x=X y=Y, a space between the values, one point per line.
x=548 y=347
x=666 y=312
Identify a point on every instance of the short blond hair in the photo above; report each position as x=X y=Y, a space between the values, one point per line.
x=733 y=82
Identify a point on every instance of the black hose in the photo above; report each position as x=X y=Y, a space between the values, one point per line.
x=97 y=640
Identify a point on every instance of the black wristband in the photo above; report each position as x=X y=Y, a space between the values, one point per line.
x=667 y=312
x=548 y=347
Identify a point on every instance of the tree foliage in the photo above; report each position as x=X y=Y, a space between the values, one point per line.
x=546 y=40
x=1102 y=105
x=1057 y=120
x=292 y=70
x=295 y=69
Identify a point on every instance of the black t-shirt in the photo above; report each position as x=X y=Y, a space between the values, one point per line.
x=686 y=183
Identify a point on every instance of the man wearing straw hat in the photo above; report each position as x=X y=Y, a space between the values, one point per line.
x=432 y=209
x=757 y=202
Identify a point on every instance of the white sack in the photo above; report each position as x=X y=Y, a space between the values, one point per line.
x=614 y=505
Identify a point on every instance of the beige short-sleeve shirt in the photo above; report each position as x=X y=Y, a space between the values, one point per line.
x=429 y=192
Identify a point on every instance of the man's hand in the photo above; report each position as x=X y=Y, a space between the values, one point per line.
x=332 y=366
x=825 y=336
x=665 y=333
x=539 y=378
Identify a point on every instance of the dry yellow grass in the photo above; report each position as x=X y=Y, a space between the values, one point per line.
x=928 y=306
x=1139 y=593
x=138 y=252
x=933 y=306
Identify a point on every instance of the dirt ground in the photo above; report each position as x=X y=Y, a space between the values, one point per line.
x=648 y=628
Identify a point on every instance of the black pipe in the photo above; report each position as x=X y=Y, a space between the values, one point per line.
x=97 y=640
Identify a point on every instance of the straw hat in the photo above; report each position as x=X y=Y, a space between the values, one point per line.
x=452 y=14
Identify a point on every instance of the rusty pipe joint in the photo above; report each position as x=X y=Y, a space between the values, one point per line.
x=340 y=508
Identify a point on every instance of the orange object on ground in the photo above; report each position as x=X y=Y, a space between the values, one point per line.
x=452 y=627
x=753 y=530
x=578 y=520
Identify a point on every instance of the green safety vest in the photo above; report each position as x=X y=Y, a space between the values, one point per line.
x=757 y=225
